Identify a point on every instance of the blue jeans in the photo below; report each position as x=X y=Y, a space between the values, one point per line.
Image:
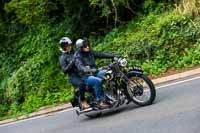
x=96 y=82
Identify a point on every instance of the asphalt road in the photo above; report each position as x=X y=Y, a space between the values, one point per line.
x=176 y=110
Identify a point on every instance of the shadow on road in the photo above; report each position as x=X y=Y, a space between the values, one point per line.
x=124 y=108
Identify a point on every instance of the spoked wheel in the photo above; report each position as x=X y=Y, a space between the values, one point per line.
x=141 y=90
x=112 y=97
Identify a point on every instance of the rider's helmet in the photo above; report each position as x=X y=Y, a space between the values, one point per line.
x=81 y=43
x=86 y=41
x=65 y=41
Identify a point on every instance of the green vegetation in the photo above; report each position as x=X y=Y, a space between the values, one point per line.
x=157 y=42
x=154 y=34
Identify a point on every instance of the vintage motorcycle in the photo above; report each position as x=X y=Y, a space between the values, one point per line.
x=121 y=85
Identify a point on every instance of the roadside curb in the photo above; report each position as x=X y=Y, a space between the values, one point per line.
x=176 y=76
x=43 y=111
x=49 y=110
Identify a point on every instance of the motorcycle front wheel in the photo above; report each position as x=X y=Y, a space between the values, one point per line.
x=141 y=90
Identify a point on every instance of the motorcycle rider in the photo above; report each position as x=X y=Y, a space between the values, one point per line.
x=85 y=62
x=67 y=62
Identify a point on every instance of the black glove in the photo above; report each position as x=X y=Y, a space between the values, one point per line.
x=94 y=70
x=73 y=61
x=116 y=57
x=74 y=57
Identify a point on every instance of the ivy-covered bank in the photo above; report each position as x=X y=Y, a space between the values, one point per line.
x=30 y=75
x=157 y=42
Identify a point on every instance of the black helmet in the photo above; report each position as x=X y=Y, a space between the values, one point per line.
x=65 y=41
x=86 y=41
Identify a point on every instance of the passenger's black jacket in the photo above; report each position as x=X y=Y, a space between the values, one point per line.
x=67 y=63
x=85 y=62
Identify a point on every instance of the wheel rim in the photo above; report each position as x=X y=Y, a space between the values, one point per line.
x=139 y=90
x=113 y=97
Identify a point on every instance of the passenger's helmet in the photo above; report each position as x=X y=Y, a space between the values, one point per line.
x=65 y=41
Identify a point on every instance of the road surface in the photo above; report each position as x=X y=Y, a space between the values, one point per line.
x=175 y=110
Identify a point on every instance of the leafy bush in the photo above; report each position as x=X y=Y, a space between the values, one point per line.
x=38 y=79
x=157 y=42
x=3 y=110
x=191 y=57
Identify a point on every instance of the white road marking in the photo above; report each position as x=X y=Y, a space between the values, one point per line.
x=179 y=82
x=159 y=87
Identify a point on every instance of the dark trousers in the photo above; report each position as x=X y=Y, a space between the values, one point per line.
x=78 y=83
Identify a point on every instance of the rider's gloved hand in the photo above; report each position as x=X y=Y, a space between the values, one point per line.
x=116 y=57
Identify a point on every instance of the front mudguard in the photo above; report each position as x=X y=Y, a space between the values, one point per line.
x=134 y=73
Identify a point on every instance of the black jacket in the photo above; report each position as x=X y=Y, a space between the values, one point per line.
x=86 y=61
x=68 y=63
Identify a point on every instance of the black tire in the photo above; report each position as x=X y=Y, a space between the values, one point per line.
x=149 y=83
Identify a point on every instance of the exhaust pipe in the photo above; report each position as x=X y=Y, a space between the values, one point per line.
x=79 y=112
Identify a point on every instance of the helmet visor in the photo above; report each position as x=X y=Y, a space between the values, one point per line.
x=65 y=44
